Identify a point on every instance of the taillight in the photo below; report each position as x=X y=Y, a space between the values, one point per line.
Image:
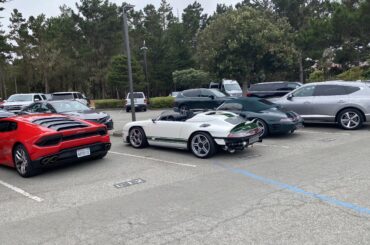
x=249 y=94
x=145 y=101
x=49 y=140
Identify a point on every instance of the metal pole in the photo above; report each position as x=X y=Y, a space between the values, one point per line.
x=145 y=49
x=126 y=37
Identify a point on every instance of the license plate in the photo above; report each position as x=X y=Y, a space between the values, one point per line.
x=254 y=139
x=83 y=152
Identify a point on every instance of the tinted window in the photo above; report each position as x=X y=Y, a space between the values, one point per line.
x=304 y=92
x=329 y=90
x=37 y=97
x=259 y=87
x=68 y=106
x=67 y=96
x=231 y=106
x=351 y=89
x=38 y=108
x=292 y=85
x=206 y=93
x=136 y=95
x=217 y=93
x=43 y=97
x=7 y=126
x=192 y=93
x=79 y=96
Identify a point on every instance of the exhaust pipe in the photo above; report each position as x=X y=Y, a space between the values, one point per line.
x=49 y=160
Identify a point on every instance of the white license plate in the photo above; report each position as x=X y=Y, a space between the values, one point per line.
x=83 y=152
x=254 y=139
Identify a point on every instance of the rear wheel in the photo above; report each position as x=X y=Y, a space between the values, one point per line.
x=137 y=138
x=22 y=162
x=263 y=127
x=350 y=119
x=202 y=145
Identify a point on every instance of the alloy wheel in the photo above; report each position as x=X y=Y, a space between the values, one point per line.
x=136 y=137
x=21 y=161
x=350 y=120
x=200 y=145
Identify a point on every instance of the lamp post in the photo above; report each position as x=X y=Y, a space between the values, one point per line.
x=126 y=37
x=145 y=49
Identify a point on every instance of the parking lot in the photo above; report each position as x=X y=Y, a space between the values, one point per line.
x=310 y=187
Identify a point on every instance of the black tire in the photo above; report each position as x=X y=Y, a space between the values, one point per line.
x=137 y=138
x=183 y=109
x=202 y=145
x=23 y=163
x=127 y=110
x=262 y=125
x=144 y=109
x=350 y=119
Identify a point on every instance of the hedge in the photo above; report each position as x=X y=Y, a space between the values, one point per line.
x=161 y=102
x=109 y=103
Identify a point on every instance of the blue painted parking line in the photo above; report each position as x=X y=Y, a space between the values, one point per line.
x=300 y=191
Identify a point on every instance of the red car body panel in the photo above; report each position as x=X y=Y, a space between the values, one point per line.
x=29 y=133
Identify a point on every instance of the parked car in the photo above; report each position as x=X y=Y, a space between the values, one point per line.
x=199 y=133
x=140 y=102
x=71 y=96
x=229 y=87
x=30 y=143
x=70 y=108
x=199 y=99
x=5 y=114
x=268 y=116
x=271 y=89
x=345 y=103
x=17 y=102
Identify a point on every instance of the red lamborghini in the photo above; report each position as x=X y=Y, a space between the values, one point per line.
x=32 y=142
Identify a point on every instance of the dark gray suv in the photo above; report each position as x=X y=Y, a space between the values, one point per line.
x=346 y=103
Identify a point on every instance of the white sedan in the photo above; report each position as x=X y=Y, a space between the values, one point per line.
x=201 y=133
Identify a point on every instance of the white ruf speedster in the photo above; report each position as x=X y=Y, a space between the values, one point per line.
x=201 y=133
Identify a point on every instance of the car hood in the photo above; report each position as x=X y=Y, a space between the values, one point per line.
x=87 y=115
x=21 y=103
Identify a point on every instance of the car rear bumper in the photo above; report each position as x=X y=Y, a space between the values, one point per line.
x=70 y=155
x=139 y=106
x=238 y=143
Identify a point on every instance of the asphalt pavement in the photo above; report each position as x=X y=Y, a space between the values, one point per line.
x=310 y=187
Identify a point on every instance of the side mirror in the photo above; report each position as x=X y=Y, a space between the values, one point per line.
x=290 y=97
x=36 y=100
x=154 y=120
x=212 y=97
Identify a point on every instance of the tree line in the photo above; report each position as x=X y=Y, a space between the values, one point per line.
x=254 y=41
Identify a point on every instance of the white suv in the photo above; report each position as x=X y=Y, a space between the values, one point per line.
x=71 y=96
x=140 y=101
x=17 y=102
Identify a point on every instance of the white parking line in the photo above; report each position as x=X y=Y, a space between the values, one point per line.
x=22 y=192
x=154 y=159
x=269 y=145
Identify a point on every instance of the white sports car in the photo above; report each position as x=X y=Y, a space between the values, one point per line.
x=201 y=133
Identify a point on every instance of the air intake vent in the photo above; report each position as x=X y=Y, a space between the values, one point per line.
x=59 y=123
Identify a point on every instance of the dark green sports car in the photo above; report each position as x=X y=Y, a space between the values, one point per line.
x=270 y=118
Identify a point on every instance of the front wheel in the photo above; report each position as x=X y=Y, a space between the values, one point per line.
x=184 y=109
x=350 y=119
x=22 y=162
x=137 y=138
x=202 y=145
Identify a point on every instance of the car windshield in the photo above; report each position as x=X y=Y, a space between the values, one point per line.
x=68 y=106
x=217 y=93
x=68 y=96
x=20 y=97
x=233 y=86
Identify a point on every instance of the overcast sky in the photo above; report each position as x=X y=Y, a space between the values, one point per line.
x=51 y=7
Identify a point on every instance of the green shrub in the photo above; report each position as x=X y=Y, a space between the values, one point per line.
x=316 y=76
x=109 y=103
x=161 y=102
x=353 y=74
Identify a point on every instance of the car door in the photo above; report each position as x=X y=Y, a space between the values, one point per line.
x=300 y=101
x=208 y=100
x=192 y=98
x=328 y=100
x=165 y=133
x=7 y=140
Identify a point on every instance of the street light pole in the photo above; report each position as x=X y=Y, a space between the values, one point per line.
x=145 y=49
x=127 y=42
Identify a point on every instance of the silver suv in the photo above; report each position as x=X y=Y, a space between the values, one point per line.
x=17 y=102
x=345 y=103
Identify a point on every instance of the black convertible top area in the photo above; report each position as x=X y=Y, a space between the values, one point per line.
x=59 y=123
x=6 y=114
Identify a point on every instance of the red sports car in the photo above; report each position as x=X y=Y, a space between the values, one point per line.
x=31 y=142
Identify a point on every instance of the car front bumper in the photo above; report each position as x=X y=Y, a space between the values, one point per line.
x=70 y=155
